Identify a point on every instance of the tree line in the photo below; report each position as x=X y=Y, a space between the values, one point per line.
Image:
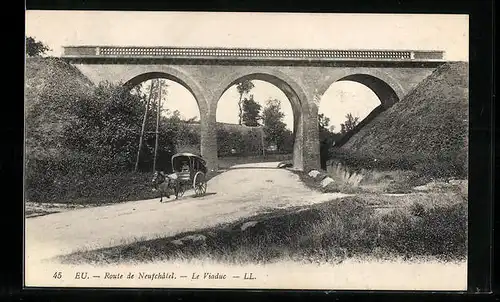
x=271 y=119
x=35 y=48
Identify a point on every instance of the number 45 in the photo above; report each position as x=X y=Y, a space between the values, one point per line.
x=57 y=275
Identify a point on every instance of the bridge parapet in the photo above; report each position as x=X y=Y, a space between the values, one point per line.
x=251 y=54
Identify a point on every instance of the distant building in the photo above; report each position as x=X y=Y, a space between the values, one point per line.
x=230 y=127
x=272 y=148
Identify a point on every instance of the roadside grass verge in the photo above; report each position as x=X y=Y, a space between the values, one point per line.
x=356 y=181
x=331 y=232
x=363 y=182
x=34 y=209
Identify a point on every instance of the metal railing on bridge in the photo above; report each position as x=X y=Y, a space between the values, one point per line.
x=241 y=53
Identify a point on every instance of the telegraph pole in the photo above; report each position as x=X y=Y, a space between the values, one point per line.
x=262 y=140
x=157 y=123
x=143 y=127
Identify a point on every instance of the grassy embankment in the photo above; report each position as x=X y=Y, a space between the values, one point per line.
x=421 y=139
x=426 y=132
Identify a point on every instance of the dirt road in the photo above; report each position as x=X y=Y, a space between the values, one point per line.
x=243 y=191
x=235 y=194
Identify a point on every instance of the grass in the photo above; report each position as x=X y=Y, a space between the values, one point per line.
x=336 y=186
x=375 y=181
x=46 y=74
x=331 y=232
x=355 y=181
x=33 y=209
x=55 y=80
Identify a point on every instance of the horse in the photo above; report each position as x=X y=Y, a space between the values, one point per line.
x=163 y=183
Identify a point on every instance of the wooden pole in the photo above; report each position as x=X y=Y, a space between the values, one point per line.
x=239 y=106
x=143 y=127
x=157 y=124
x=262 y=141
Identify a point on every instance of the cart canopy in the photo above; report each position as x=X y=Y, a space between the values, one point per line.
x=193 y=161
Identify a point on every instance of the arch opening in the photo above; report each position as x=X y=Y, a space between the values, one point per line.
x=163 y=75
x=273 y=140
x=384 y=91
x=348 y=105
x=174 y=128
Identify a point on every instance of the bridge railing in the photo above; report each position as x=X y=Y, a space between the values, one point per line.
x=235 y=53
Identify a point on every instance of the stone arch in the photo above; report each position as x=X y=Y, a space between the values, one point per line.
x=384 y=91
x=295 y=95
x=174 y=75
x=292 y=91
x=387 y=90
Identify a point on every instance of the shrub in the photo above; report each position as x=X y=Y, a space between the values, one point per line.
x=48 y=181
x=77 y=132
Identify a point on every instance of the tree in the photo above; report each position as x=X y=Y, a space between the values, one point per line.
x=323 y=121
x=243 y=87
x=106 y=126
x=143 y=127
x=35 y=48
x=274 y=127
x=251 y=112
x=349 y=123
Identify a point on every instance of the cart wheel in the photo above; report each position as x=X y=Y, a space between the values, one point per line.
x=200 y=184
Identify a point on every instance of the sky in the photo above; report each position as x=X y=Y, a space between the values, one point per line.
x=257 y=30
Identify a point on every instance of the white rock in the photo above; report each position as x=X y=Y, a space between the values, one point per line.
x=457 y=182
x=320 y=176
x=433 y=185
x=193 y=238
x=197 y=237
x=248 y=224
x=325 y=182
x=313 y=173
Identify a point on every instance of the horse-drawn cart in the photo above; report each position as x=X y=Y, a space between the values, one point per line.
x=189 y=171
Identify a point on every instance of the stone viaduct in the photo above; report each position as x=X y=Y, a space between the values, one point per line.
x=303 y=75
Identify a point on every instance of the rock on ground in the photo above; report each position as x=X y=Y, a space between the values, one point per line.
x=325 y=182
x=313 y=173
